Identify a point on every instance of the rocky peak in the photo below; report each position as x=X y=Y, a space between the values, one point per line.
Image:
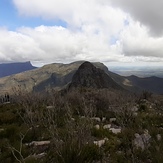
x=89 y=76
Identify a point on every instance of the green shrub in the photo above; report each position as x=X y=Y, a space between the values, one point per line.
x=7 y=118
x=101 y=133
x=11 y=132
x=143 y=108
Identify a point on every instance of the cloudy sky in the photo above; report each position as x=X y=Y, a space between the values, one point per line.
x=115 y=32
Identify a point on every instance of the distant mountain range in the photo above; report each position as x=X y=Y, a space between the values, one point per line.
x=139 y=71
x=152 y=84
x=81 y=73
x=7 y=69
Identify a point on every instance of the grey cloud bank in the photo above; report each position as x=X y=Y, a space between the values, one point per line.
x=147 y=12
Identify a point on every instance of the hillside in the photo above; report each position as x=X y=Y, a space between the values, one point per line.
x=99 y=122
x=90 y=126
x=58 y=76
x=152 y=84
x=54 y=75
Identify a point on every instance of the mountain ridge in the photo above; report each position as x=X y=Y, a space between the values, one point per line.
x=7 y=69
x=59 y=75
x=37 y=79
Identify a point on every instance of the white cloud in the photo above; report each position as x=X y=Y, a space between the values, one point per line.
x=95 y=31
x=17 y=47
x=54 y=44
x=78 y=14
x=136 y=41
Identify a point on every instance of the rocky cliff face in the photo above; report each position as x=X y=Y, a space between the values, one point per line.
x=90 y=76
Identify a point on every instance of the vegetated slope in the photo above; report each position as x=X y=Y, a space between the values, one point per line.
x=7 y=69
x=125 y=82
x=55 y=75
x=136 y=84
x=152 y=84
x=89 y=76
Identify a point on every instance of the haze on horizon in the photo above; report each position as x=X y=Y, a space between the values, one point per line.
x=115 y=32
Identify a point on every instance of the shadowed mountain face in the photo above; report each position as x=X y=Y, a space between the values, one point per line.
x=14 y=68
x=89 y=76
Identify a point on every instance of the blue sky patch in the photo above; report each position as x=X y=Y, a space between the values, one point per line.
x=10 y=18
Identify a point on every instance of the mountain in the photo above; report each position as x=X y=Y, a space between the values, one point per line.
x=58 y=76
x=137 y=84
x=151 y=84
x=146 y=71
x=90 y=76
x=7 y=69
x=62 y=75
